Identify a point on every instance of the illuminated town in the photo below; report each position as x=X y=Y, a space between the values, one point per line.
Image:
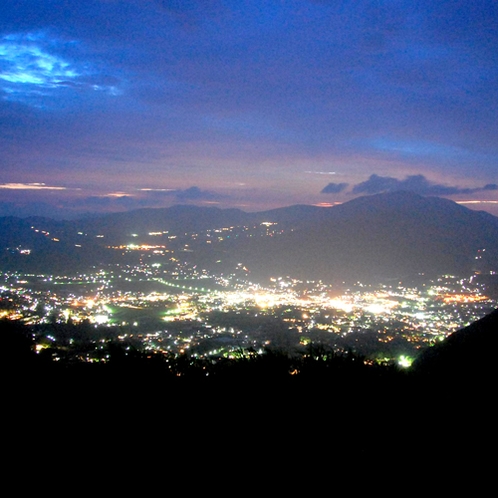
x=176 y=307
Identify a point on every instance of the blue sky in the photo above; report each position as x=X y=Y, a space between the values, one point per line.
x=112 y=105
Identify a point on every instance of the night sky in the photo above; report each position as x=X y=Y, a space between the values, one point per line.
x=114 y=104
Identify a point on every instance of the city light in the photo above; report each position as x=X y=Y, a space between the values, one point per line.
x=404 y=361
x=166 y=304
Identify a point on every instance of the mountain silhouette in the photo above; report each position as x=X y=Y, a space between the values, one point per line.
x=392 y=235
x=381 y=236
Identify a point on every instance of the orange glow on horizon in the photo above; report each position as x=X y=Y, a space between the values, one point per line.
x=327 y=204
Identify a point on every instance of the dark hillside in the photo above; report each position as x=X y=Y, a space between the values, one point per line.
x=469 y=353
x=176 y=219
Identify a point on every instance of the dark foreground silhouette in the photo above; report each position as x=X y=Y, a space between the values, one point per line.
x=444 y=406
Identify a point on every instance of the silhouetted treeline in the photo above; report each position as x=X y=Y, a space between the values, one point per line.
x=351 y=406
x=69 y=357
x=75 y=348
x=67 y=347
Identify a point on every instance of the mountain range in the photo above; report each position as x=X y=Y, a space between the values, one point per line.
x=391 y=235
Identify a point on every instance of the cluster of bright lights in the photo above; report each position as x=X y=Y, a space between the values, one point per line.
x=138 y=247
x=303 y=306
x=463 y=298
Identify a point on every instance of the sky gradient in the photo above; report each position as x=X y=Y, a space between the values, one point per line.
x=113 y=105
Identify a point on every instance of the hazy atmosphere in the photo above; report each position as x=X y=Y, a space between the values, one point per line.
x=114 y=105
x=249 y=226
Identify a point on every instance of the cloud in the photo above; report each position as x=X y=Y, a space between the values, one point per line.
x=158 y=190
x=30 y=186
x=109 y=202
x=377 y=184
x=144 y=198
x=211 y=82
x=490 y=186
x=414 y=183
x=196 y=194
x=334 y=188
x=189 y=194
x=35 y=65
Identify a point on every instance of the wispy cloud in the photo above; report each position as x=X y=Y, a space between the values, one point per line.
x=478 y=202
x=26 y=62
x=321 y=172
x=32 y=186
x=32 y=67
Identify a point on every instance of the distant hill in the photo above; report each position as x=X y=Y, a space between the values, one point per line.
x=468 y=353
x=392 y=235
x=177 y=219
x=381 y=236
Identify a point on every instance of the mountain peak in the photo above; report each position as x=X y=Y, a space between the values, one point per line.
x=403 y=199
x=391 y=235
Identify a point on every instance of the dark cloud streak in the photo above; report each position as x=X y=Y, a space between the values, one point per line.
x=414 y=183
x=334 y=188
